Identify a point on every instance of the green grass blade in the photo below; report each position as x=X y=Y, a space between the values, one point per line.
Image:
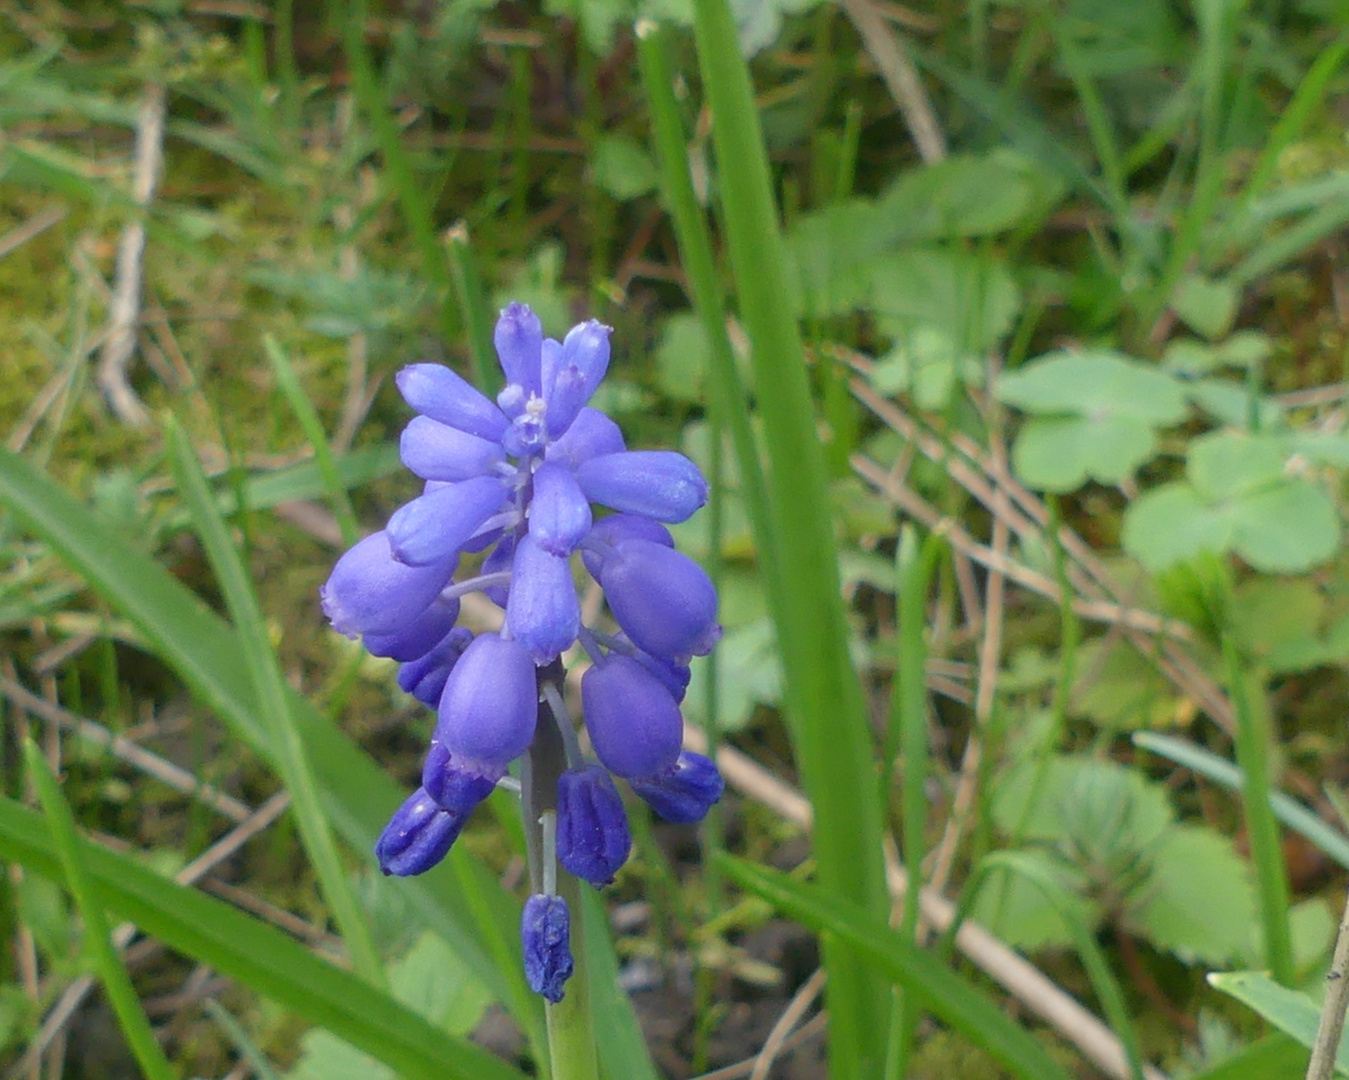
x=202 y=649
x=1295 y=116
x=1271 y=873
x=410 y=190
x=107 y=963
x=1290 y=1011
x=1108 y=990
x=1275 y=1057
x=1327 y=839
x=258 y=955
x=822 y=693
x=955 y=1000
x=468 y=289
x=622 y=1048
x=248 y=1049
x=695 y=248
x=277 y=716
x=312 y=426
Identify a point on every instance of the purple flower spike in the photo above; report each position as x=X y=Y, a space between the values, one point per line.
x=542 y=610
x=559 y=516
x=616 y=528
x=417 y=837
x=590 y=435
x=634 y=723
x=370 y=592
x=490 y=704
x=545 y=929
x=418 y=637
x=592 y=827
x=657 y=484
x=453 y=788
x=661 y=598
x=519 y=344
x=425 y=677
x=685 y=793
x=436 y=451
x=434 y=527
x=436 y=391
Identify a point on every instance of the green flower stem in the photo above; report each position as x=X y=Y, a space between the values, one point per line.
x=822 y=694
x=1271 y=874
x=97 y=941
x=571 y=1036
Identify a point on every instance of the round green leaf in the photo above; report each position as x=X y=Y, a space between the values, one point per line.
x=1170 y=524
x=1198 y=901
x=1098 y=384
x=1225 y=464
x=1287 y=528
x=1059 y=453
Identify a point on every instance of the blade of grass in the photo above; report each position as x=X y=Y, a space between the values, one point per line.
x=276 y=714
x=695 y=249
x=107 y=963
x=203 y=650
x=906 y=734
x=258 y=955
x=1108 y=990
x=312 y=426
x=248 y=1049
x=823 y=695
x=477 y=316
x=1291 y=1011
x=417 y=209
x=1275 y=1057
x=1329 y=840
x=1271 y=874
x=954 y=1000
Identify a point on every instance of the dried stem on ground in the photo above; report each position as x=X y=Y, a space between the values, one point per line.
x=1004 y=965
x=126 y=299
x=887 y=49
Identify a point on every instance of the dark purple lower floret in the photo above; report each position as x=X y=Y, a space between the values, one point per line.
x=685 y=793
x=453 y=787
x=592 y=827
x=417 y=837
x=419 y=636
x=425 y=677
x=545 y=930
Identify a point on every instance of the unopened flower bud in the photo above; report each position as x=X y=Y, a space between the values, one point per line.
x=662 y=599
x=417 y=837
x=592 y=827
x=634 y=723
x=545 y=930
x=658 y=484
x=490 y=704
x=371 y=592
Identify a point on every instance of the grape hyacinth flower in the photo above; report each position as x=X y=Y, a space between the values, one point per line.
x=516 y=482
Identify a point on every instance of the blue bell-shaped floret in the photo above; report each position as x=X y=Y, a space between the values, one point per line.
x=417 y=837
x=682 y=794
x=490 y=705
x=658 y=484
x=634 y=723
x=592 y=827
x=371 y=592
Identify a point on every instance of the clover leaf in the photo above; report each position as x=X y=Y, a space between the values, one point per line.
x=1239 y=496
x=1095 y=415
